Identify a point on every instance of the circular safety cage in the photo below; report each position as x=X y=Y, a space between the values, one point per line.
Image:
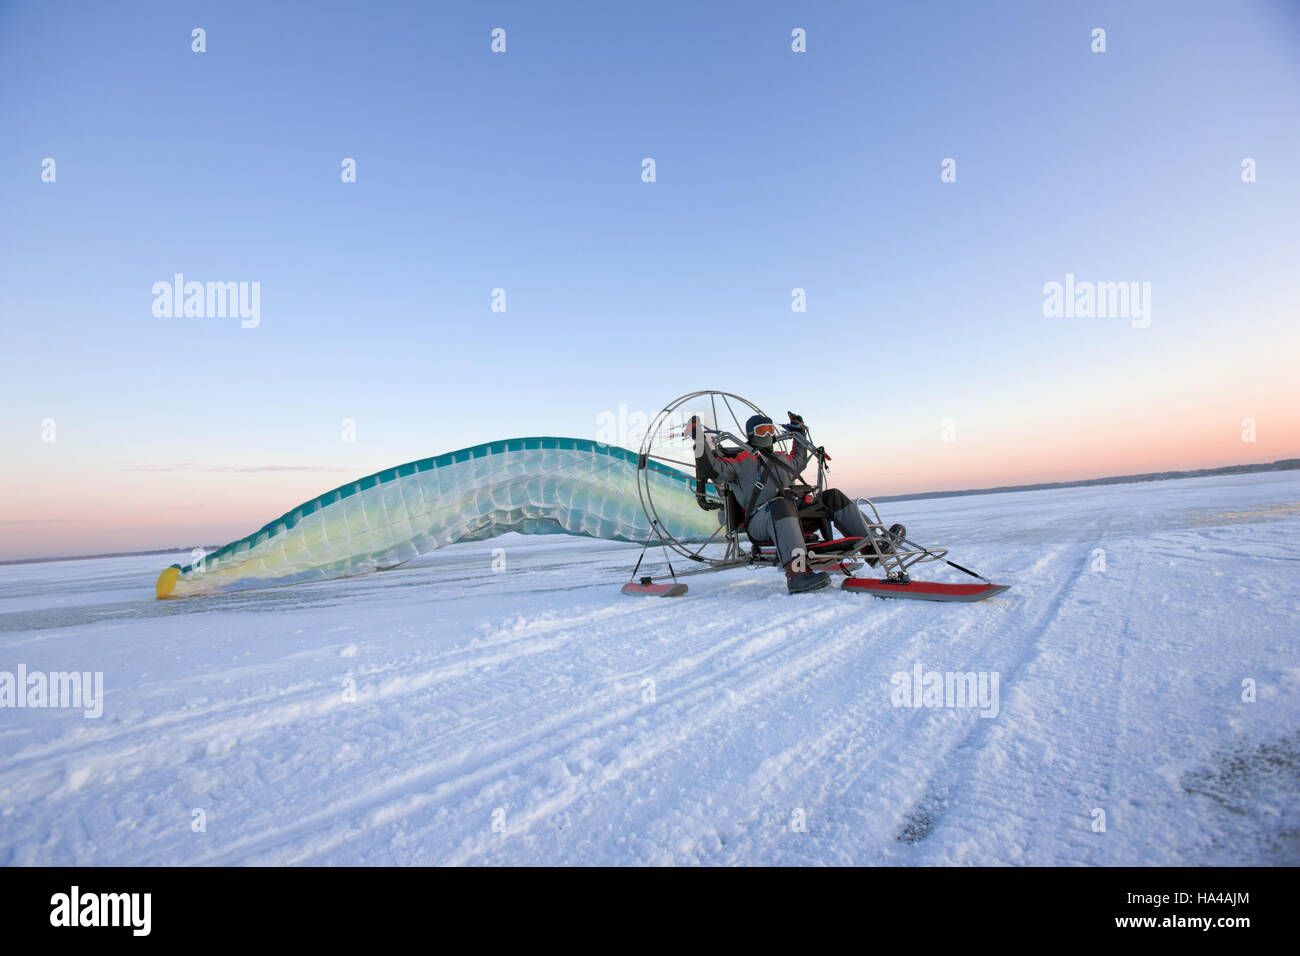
x=720 y=418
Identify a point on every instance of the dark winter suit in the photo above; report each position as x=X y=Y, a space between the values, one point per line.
x=773 y=517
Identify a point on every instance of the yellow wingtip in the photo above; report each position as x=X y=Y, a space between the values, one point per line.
x=167 y=581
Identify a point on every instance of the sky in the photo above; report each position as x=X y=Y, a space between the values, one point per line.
x=923 y=360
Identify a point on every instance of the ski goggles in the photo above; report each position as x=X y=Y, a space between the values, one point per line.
x=767 y=431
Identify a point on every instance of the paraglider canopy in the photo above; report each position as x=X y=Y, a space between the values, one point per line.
x=528 y=485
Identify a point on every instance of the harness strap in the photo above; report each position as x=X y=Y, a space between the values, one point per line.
x=763 y=474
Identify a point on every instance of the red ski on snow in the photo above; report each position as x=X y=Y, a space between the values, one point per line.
x=646 y=586
x=924 y=590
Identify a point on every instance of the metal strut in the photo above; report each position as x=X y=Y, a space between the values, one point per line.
x=968 y=571
x=654 y=532
x=654 y=525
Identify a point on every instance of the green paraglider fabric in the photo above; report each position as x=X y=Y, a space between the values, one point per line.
x=528 y=485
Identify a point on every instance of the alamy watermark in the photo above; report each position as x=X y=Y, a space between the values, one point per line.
x=77 y=689
x=625 y=428
x=953 y=689
x=208 y=300
x=1102 y=300
x=129 y=910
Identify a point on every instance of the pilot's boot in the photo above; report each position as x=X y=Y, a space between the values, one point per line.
x=797 y=582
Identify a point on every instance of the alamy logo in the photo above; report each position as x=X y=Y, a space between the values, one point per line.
x=102 y=909
x=921 y=688
x=624 y=429
x=208 y=300
x=1102 y=300
x=56 y=689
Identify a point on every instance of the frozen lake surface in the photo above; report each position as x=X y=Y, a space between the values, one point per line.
x=442 y=712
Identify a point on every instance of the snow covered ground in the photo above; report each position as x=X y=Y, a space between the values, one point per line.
x=444 y=713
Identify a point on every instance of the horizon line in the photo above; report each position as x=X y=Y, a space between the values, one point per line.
x=1280 y=464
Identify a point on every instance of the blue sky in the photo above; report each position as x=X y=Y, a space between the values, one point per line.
x=522 y=170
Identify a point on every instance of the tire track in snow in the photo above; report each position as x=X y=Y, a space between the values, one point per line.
x=836 y=772
x=871 y=767
x=60 y=770
x=520 y=639
x=698 y=709
x=610 y=720
x=445 y=764
x=1009 y=755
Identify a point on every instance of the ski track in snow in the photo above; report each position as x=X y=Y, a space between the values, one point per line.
x=396 y=718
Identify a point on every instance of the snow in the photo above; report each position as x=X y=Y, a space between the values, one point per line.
x=444 y=713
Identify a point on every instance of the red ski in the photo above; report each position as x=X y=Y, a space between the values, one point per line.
x=646 y=586
x=924 y=590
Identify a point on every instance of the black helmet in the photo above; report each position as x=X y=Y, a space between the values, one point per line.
x=759 y=431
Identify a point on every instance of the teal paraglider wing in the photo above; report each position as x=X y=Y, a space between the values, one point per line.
x=528 y=485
